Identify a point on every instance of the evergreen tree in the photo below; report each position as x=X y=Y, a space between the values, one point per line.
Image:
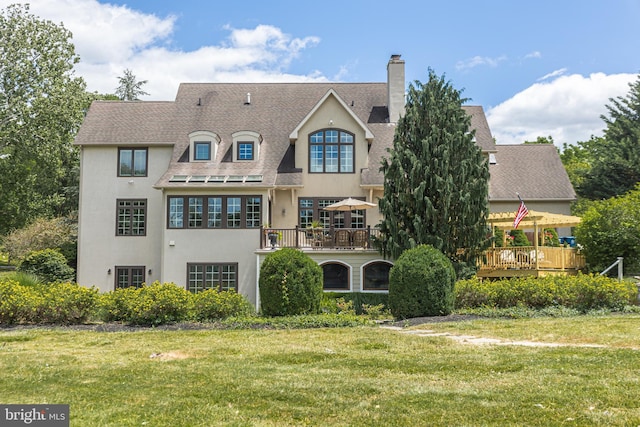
x=436 y=179
x=130 y=89
x=615 y=166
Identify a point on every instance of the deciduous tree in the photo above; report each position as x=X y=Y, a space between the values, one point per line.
x=436 y=178
x=610 y=229
x=41 y=108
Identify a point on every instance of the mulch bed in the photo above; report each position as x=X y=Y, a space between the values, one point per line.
x=194 y=326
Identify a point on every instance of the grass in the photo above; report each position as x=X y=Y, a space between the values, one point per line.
x=362 y=376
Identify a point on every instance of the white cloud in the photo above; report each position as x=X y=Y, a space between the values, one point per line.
x=553 y=74
x=534 y=54
x=567 y=108
x=477 y=61
x=110 y=38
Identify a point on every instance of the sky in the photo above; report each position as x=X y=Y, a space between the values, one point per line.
x=541 y=68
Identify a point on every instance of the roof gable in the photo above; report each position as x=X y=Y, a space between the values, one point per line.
x=293 y=136
x=532 y=170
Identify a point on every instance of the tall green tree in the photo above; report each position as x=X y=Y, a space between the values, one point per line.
x=436 y=178
x=611 y=228
x=130 y=89
x=616 y=160
x=41 y=108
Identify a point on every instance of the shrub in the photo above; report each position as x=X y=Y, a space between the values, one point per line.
x=49 y=264
x=66 y=303
x=114 y=305
x=58 y=303
x=581 y=292
x=214 y=305
x=360 y=300
x=610 y=229
x=551 y=237
x=43 y=233
x=17 y=303
x=519 y=238
x=290 y=284
x=149 y=305
x=26 y=279
x=421 y=284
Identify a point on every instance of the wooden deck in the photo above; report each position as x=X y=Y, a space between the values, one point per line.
x=520 y=261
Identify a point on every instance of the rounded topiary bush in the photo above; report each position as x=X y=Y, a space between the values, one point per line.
x=49 y=265
x=290 y=284
x=421 y=283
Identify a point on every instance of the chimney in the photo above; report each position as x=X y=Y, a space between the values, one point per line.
x=395 y=88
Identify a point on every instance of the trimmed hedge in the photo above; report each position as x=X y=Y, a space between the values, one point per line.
x=582 y=292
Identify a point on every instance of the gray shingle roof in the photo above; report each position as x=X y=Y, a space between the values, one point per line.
x=532 y=170
x=128 y=122
x=275 y=110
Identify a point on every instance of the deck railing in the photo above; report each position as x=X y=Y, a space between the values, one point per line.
x=527 y=258
x=318 y=238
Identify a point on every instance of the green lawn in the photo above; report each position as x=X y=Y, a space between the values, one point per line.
x=366 y=376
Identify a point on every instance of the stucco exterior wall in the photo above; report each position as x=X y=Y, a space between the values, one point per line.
x=99 y=249
x=182 y=246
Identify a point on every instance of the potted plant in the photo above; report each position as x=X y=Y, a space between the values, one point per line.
x=272 y=235
x=316 y=231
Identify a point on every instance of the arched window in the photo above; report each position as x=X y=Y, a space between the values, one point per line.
x=336 y=276
x=331 y=151
x=376 y=276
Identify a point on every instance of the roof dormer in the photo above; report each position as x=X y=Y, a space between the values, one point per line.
x=246 y=146
x=203 y=146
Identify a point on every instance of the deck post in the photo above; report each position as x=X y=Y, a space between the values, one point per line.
x=535 y=242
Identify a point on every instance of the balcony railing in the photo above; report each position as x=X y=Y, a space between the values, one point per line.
x=527 y=258
x=318 y=238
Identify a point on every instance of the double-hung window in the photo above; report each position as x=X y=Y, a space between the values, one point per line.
x=131 y=217
x=331 y=151
x=132 y=162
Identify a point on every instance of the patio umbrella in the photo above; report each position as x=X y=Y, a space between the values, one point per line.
x=349 y=204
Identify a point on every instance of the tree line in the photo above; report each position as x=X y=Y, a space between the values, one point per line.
x=42 y=105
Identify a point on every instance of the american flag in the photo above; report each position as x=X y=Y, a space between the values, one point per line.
x=522 y=212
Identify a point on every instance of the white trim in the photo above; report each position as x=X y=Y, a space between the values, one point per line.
x=368 y=291
x=203 y=136
x=337 y=261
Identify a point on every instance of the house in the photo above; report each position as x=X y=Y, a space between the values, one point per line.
x=182 y=191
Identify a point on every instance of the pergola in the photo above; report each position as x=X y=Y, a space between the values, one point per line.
x=535 y=220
